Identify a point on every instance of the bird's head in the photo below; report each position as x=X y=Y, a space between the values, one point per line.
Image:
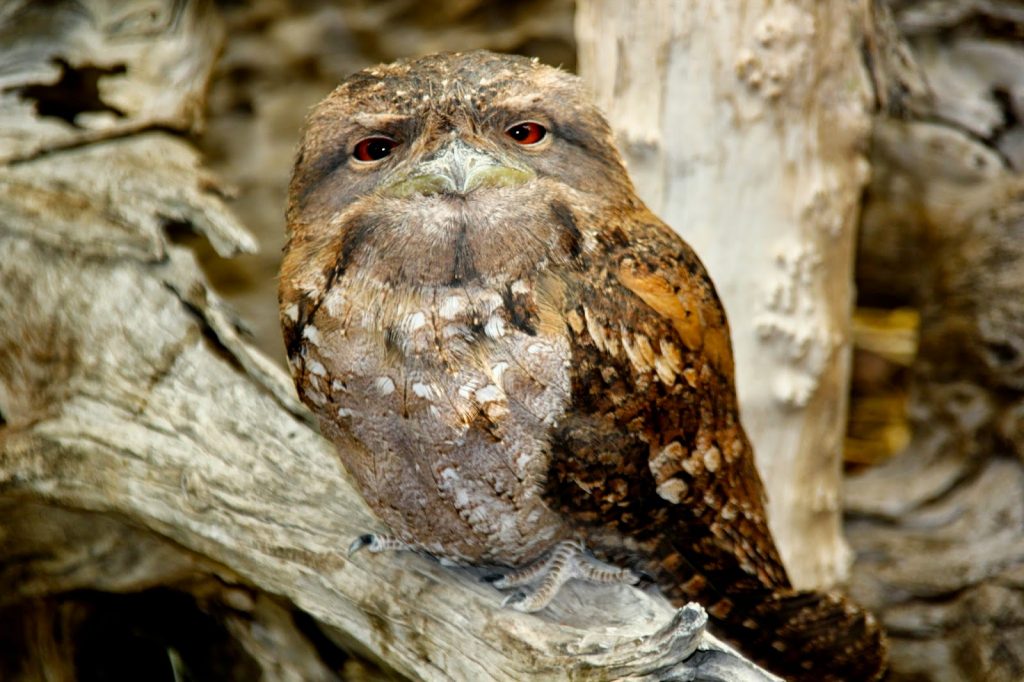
x=453 y=167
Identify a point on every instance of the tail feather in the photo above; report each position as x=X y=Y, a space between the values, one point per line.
x=811 y=636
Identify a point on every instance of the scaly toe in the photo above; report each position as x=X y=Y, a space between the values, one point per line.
x=594 y=570
x=567 y=560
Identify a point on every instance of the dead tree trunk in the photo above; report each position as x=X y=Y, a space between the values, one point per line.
x=744 y=128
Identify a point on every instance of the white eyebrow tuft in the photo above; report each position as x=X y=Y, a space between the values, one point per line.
x=372 y=120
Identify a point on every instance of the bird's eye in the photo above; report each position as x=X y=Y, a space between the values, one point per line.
x=527 y=132
x=374 y=148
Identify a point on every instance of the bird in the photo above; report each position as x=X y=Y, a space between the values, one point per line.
x=521 y=366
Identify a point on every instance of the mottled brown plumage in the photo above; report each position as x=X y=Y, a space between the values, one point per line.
x=521 y=365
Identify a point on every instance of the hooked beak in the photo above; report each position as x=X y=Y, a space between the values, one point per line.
x=458 y=168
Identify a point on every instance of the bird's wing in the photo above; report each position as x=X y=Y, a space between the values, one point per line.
x=652 y=466
x=651 y=457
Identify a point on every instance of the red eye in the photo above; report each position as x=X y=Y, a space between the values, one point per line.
x=527 y=132
x=374 y=148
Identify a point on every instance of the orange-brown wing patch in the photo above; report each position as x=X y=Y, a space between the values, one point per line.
x=692 y=316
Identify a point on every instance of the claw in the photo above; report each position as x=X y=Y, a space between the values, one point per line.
x=513 y=600
x=377 y=543
x=643 y=577
x=365 y=540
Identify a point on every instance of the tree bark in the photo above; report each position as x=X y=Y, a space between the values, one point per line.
x=744 y=128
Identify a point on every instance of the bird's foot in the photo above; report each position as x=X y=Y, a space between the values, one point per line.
x=377 y=543
x=566 y=561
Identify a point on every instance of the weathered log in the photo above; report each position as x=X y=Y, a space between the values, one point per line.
x=73 y=75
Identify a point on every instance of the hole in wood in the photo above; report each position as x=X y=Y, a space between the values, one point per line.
x=76 y=92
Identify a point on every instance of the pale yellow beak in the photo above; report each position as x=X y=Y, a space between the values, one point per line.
x=458 y=168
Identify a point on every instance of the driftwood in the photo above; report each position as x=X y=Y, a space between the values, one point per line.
x=144 y=443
